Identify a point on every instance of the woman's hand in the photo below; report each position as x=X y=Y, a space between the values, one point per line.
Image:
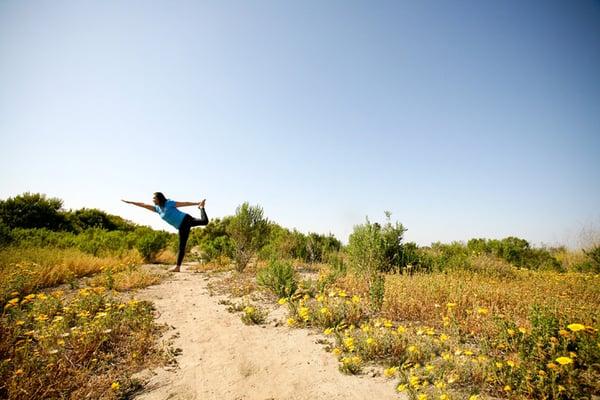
x=201 y=204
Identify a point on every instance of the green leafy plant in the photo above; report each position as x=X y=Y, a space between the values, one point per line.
x=280 y=277
x=248 y=230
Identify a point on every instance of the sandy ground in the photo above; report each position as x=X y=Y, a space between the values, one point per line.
x=221 y=358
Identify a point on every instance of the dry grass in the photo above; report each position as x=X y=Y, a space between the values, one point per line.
x=81 y=345
x=26 y=270
x=425 y=297
x=166 y=256
x=132 y=277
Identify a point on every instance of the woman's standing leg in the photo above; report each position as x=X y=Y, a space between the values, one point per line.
x=184 y=233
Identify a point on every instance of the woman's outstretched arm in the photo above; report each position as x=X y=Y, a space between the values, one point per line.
x=188 y=203
x=146 y=206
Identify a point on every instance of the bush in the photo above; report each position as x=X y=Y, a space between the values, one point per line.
x=594 y=256
x=213 y=240
x=373 y=248
x=33 y=210
x=5 y=236
x=87 y=218
x=280 y=277
x=248 y=230
x=254 y=316
x=149 y=243
x=517 y=252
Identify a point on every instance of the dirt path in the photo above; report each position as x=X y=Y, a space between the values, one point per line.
x=221 y=358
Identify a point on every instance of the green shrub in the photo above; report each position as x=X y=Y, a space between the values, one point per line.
x=5 y=235
x=594 y=256
x=254 y=316
x=248 y=230
x=33 y=210
x=373 y=248
x=87 y=218
x=149 y=243
x=280 y=277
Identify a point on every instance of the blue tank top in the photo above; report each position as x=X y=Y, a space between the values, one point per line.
x=170 y=213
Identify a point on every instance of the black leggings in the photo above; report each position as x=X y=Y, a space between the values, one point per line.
x=184 y=231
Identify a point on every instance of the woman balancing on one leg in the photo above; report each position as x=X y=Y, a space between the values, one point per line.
x=167 y=209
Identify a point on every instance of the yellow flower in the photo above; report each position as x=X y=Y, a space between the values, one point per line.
x=365 y=328
x=499 y=365
x=576 y=327
x=474 y=397
x=429 y=368
x=412 y=349
x=444 y=397
x=401 y=329
x=342 y=293
x=483 y=311
x=510 y=332
x=507 y=388
x=355 y=299
x=414 y=381
x=328 y=331
x=42 y=318
x=19 y=322
x=349 y=343
x=551 y=365
x=387 y=324
x=422 y=397
x=304 y=312
x=282 y=301
x=291 y=321
x=440 y=385
x=443 y=337
x=510 y=363
x=402 y=387
x=115 y=386
x=19 y=372
x=324 y=310
x=370 y=341
x=564 y=360
x=451 y=305
x=522 y=330
x=446 y=356
x=390 y=372
x=337 y=351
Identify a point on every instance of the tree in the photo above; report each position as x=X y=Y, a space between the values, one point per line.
x=33 y=210
x=248 y=229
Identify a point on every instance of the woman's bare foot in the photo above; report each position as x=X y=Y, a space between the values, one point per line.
x=201 y=204
x=175 y=269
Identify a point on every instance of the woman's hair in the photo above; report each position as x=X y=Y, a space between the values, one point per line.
x=161 y=198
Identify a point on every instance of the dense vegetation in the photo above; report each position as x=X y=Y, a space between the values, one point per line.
x=489 y=317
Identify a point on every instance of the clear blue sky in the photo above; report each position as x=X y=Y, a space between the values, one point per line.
x=464 y=119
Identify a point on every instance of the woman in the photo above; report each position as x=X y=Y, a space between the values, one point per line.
x=167 y=209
